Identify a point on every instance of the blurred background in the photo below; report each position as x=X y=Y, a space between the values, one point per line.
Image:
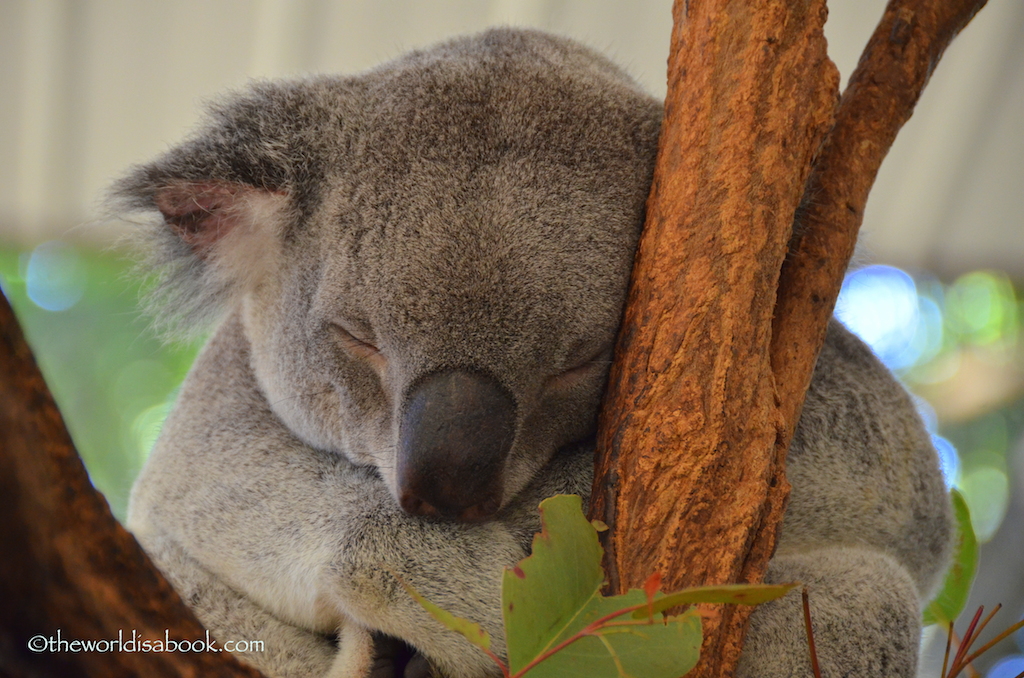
x=92 y=86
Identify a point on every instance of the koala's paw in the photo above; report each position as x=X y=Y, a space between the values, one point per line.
x=865 y=613
x=287 y=651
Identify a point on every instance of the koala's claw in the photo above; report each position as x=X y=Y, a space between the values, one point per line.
x=418 y=667
x=395 y=659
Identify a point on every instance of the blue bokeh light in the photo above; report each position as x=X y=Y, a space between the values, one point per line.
x=926 y=412
x=55 y=276
x=880 y=304
x=1007 y=667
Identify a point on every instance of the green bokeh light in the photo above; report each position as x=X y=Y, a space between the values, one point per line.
x=111 y=377
x=981 y=308
x=987 y=492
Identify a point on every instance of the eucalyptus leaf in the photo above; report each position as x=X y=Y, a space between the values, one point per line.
x=743 y=594
x=549 y=589
x=950 y=602
x=558 y=625
x=655 y=648
x=555 y=594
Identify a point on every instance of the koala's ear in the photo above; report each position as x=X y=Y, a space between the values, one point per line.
x=222 y=220
x=224 y=200
x=213 y=241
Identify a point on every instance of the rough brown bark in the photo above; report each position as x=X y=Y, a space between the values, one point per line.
x=710 y=371
x=66 y=563
x=689 y=442
x=882 y=92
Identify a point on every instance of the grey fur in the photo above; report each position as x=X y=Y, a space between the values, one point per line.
x=473 y=206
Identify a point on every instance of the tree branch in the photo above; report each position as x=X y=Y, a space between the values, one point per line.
x=880 y=97
x=689 y=463
x=67 y=564
x=689 y=440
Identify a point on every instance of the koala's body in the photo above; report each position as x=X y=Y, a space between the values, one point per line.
x=420 y=273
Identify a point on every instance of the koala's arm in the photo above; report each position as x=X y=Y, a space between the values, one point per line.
x=267 y=538
x=868 y=530
x=278 y=649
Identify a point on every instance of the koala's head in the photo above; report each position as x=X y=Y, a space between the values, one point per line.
x=429 y=259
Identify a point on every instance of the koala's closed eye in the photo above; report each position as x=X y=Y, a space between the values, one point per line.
x=593 y=365
x=359 y=348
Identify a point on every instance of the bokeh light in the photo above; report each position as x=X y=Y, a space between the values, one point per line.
x=928 y=333
x=899 y=319
x=55 y=276
x=986 y=490
x=110 y=376
x=146 y=428
x=949 y=460
x=140 y=384
x=1007 y=667
x=880 y=305
x=981 y=308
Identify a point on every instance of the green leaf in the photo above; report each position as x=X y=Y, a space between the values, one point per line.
x=467 y=629
x=664 y=648
x=549 y=588
x=744 y=594
x=952 y=598
x=554 y=594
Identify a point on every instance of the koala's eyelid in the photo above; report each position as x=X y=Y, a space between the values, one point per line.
x=353 y=342
x=602 y=357
x=356 y=330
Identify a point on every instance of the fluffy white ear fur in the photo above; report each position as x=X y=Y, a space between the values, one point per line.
x=233 y=229
x=214 y=242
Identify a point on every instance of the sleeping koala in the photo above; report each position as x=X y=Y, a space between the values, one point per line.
x=418 y=274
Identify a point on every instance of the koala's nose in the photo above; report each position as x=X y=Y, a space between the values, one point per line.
x=456 y=431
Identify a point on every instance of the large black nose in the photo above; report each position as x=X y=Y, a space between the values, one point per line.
x=456 y=430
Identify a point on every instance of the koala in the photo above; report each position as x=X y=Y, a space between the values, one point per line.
x=416 y=276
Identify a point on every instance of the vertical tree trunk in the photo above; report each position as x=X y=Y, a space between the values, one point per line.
x=690 y=437
x=712 y=366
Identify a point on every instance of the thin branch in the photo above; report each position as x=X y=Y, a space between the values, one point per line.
x=815 y=669
x=880 y=97
x=970 y=669
x=945 y=657
x=990 y=644
x=962 y=648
